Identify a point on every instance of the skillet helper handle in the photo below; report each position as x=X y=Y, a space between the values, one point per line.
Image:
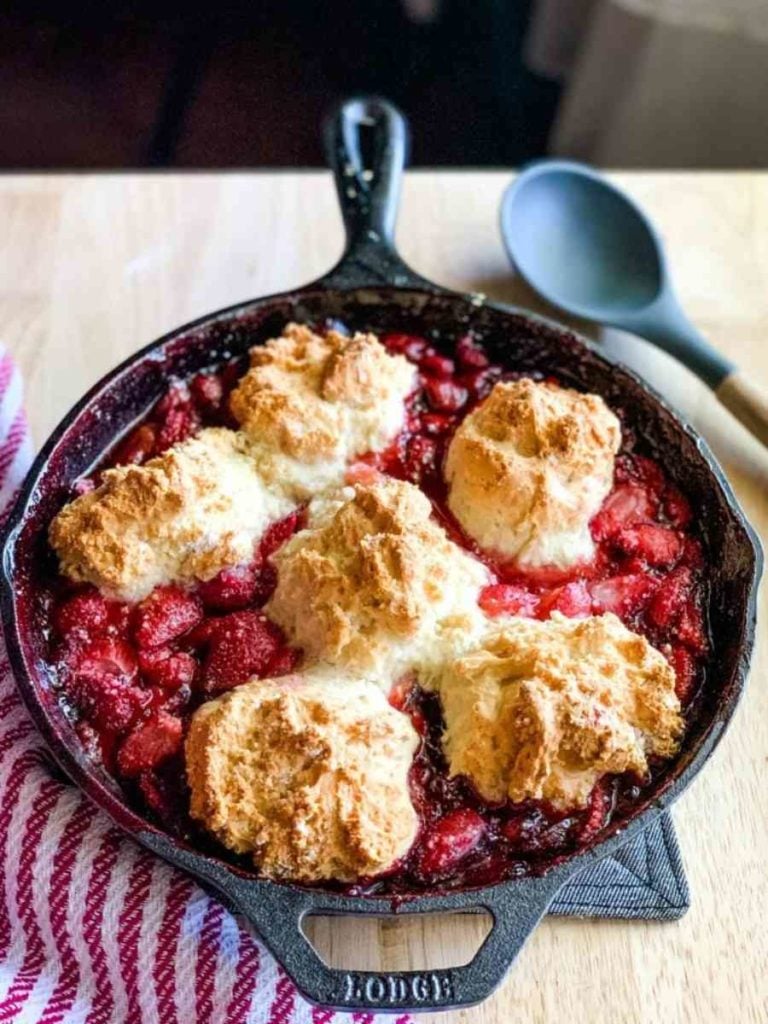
x=277 y=912
x=747 y=401
x=366 y=144
x=278 y=916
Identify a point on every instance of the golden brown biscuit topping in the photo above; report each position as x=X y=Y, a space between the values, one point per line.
x=529 y=468
x=308 y=404
x=541 y=710
x=310 y=783
x=322 y=397
x=374 y=582
x=184 y=515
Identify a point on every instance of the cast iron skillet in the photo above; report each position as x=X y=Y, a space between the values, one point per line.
x=372 y=288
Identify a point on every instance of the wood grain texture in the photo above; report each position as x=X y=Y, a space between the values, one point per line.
x=93 y=267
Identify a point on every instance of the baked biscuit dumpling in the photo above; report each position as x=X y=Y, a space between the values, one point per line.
x=541 y=710
x=310 y=782
x=374 y=584
x=308 y=405
x=311 y=402
x=528 y=469
x=184 y=515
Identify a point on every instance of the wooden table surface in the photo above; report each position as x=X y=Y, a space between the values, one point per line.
x=92 y=267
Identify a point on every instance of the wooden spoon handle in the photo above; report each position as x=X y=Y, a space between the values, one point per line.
x=747 y=401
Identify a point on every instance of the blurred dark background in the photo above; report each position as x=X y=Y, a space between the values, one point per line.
x=114 y=84
x=107 y=84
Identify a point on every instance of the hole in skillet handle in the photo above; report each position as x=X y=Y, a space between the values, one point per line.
x=366 y=145
x=416 y=941
x=276 y=912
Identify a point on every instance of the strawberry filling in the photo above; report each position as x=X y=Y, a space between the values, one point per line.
x=132 y=676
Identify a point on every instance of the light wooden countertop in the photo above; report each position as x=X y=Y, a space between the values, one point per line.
x=92 y=267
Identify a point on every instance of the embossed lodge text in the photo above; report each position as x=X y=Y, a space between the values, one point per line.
x=398 y=989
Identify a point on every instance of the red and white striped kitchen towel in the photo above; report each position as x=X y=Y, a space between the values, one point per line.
x=92 y=927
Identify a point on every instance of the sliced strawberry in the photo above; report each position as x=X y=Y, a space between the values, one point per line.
x=657 y=545
x=231 y=588
x=693 y=554
x=469 y=353
x=240 y=646
x=278 y=533
x=156 y=796
x=508 y=599
x=422 y=458
x=284 y=662
x=177 y=416
x=377 y=462
x=105 y=655
x=690 y=629
x=167 y=668
x=641 y=470
x=684 y=664
x=436 y=365
x=86 y=613
x=101 y=684
x=449 y=841
x=137 y=447
x=207 y=391
x=445 y=395
x=410 y=345
x=200 y=634
x=150 y=743
x=677 y=508
x=513 y=829
x=265 y=585
x=634 y=565
x=166 y=614
x=108 y=701
x=361 y=473
x=173 y=701
x=572 y=599
x=622 y=595
x=670 y=598
x=176 y=397
x=597 y=812
x=418 y=721
x=178 y=425
x=626 y=505
x=400 y=691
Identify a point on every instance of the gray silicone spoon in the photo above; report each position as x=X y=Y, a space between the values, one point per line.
x=587 y=248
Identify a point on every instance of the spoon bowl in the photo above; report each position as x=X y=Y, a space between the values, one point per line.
x=582 y=244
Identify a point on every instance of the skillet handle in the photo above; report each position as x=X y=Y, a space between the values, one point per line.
x=366 y=143
x=277 y=911
x=278 y=915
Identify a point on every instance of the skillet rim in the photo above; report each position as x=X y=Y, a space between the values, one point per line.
x=277 y=909
x=130 y=821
